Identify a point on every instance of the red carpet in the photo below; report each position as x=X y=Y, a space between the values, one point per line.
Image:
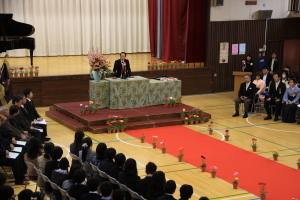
x=282 y=182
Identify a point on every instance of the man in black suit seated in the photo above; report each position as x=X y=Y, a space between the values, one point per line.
x=29 y=111
x=93 y=184
x=170 y=188
x=246 y=95
x=186 y=192
x=120 y=159
x=273 y=63
x=108 y=163
x=276 y=92
x=143 y=184
x=122 y=67
x=267 y=77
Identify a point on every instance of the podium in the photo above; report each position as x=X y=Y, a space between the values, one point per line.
x=238 y=79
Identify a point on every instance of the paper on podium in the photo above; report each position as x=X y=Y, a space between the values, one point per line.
x=40 y=122
x=21 y=143
x=13 y=155
x=17 y=149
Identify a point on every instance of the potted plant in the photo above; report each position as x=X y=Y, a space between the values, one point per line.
x=21 y=72
x=99 y=64
x=275 y=154
x=203 y=164
x=186 y=121
x=202 y=118
x=179 y=101
x=254 y=144
x=210 y=128
x=142 y=138
x=196 y=119
x=166 y=102
x=235 y=182
x=183 y=113
x=122 y=126
x=163 y=148
x=298 y=163
x=11 y=72
x=227 y=135
x=109 y=127
x=191 y=119
x=26 y=71
x=36 y=71
x=154 y=141
x=149 y=66
x=213 y=171
x=31 y=71
x=81 y=110
x=262 y=191
x=16 y=72
x=86 y=109
x=180 y=155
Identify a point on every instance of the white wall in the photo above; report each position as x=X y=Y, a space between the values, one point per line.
x=237 y=10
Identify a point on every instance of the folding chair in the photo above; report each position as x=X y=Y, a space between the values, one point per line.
x=113 y=180
x=74 y=157
x=54 y=187
x=124 y=187
x=135 y=195
x=102 y=174
x=31 y=166
x=47 y=180
x=94 y=168
x=39 y=172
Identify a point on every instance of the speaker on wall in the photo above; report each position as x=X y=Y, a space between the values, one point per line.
x=218 y=2
x=264 y=14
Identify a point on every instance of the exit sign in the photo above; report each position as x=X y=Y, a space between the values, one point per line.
x=251 y=3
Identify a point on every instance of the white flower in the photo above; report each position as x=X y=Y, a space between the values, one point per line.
x=84 y=145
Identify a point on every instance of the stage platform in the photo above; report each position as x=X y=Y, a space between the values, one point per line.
x=148 y=117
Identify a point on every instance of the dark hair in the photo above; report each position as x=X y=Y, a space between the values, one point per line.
x=93 y=183
x=37 y=195
x=118 y=194
x=6 y=192
x=56 y=153
x=278 y=74
x=88 y=142
x=110 y=153
x=14 y=109
x=27 y=91
x=75 y=166
x=273 y=53
x=25 y=194
x=286 y=73
x=186 y=191
x=266 y=67
x=151 y=168
x=294 y=80
x=251 y=58
x=64 y=163
x=79 y=135
x=100 y=151
x=130 y=168
x=106 y=188
x=16 y=99
x=157 y=184
x=2 y=179
x=203 y=198
x=34 y=147
x=170 y=187
x=287 y=66
x=248 y=76
x=123 y=53
x=259 y=74
x=47 y=149
x=120 y=159
x=79 y=176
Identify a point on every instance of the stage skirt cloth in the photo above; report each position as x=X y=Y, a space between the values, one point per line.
x=289 y=112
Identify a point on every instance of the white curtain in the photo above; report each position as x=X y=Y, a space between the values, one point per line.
x=72 y=27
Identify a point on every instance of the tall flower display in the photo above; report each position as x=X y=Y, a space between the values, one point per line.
x=100 y=66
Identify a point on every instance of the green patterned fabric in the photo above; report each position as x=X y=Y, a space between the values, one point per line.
x=158 y=90
x=99 y=93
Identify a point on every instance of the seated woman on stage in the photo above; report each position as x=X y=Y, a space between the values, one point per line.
x=122 y=67
x=290 y=101
x=285 y=78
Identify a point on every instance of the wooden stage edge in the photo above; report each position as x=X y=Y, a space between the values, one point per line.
x=49 y=90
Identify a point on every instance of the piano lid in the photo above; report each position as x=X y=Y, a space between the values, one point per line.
x=10 y=27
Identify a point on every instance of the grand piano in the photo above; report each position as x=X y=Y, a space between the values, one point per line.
x=13 y=35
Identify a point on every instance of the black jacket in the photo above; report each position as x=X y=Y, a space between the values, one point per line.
x=30 y=108
x=249 y=67
x=143 y=185
x=275 y=65
x=277 y=94
x=268 y=79
x=166 y=197
x=118 y=69
x=249 y=93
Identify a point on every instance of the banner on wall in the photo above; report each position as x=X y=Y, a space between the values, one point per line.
x=242 y=48
x=224 y=49
x=235 y=49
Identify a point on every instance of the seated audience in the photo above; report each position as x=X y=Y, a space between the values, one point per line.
x=100 y=154
x=143 y=184
x=42 y=160
x=290 y=101
x=276 y=92
x=7 y=193
x=76 y=146
x=108 y=162
x=58 y=176
x=87 y=154
x=288 y=69
x=285 y=78
x=106 y=190
x=93 y=185
x=69 y=182
x=260 y=85
x=267 y=77
x=156 y=186
x=27 y=194
x=3 y=179
x=8 y=141
x=79 y=187
x=118 y=165
x=129 y=176
x=119 y=194
x=34 y=151
x=170 y=188
x=186 y=192
x=246 y=95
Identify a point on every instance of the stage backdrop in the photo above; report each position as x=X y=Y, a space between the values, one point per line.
x=71 y=27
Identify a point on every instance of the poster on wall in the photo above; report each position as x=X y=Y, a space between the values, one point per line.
x=235 y=49
x=242 y=48
x=224 y=49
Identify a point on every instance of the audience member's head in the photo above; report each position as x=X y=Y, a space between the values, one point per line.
x=86 y=145
x=285 y=74
x=110 y=153
x=79 y=135
x=2 y=119
x=203 y=198
x=47 y=149
x=28 y=93
x=157 y=184
x=120 y=159
x=258 y=75
x=287 y=68
x=56 y=153
x=265 y=70
x=186 y=191
x=34 y=146
x=249 y=57
x=106 y=189
x=64 y=163
x=73 y=169
x=25 y=194
x=247 y=78
x=17 y=100
x=130 y=168
x=293 y=83
x=4 y=111
x=2 y=179
x=14 y=110
x=79 y=176
x=93 y=184
x=150 y=168
x=276 y=76
x=119 y=194
x=170 y=187
x=100 y=150
x=273 y=55
x=7 y=192
x=23 y=99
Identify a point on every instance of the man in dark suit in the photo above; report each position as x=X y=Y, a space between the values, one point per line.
x=93 y=184
x=122 y=67
x=186 y=192
x=273 y=63
x=267 y=77
x=246 y=95
x=143 y=184
x=170 y=188
x=106 y=190
x=276 y=92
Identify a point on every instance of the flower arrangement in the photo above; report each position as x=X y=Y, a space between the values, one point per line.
x=99 y=62
x=254 y=143
x=115 y=122
x=203 y=164
x=275 y=152
x=172 y=102
x=236 y=179
x=226 y=133
x=36 y=69
x=154 y=140
x=11 y=71
x=163 y=145
x=298 y=162
x=193 y=115
x=31 y=70
x=181 y=150
x=21 y=70
x=210 y=126
x=142 y=137
x=262 y=189
x=214 y=169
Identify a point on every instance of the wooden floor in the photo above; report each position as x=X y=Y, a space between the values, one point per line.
x=69 y=65
x=270 y=136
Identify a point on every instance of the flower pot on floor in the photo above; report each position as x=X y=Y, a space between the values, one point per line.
x=254 y=149
x=235 y=185
x=275 y=158
x=154 y=146
x=227 y=138
x=179 y=159
x=142 y=140
x=163 y=151
x=213 y=174
x=210 y=132
x=203 y=169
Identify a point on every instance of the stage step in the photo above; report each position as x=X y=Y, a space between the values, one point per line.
x=66 y=121
x=141 y=125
